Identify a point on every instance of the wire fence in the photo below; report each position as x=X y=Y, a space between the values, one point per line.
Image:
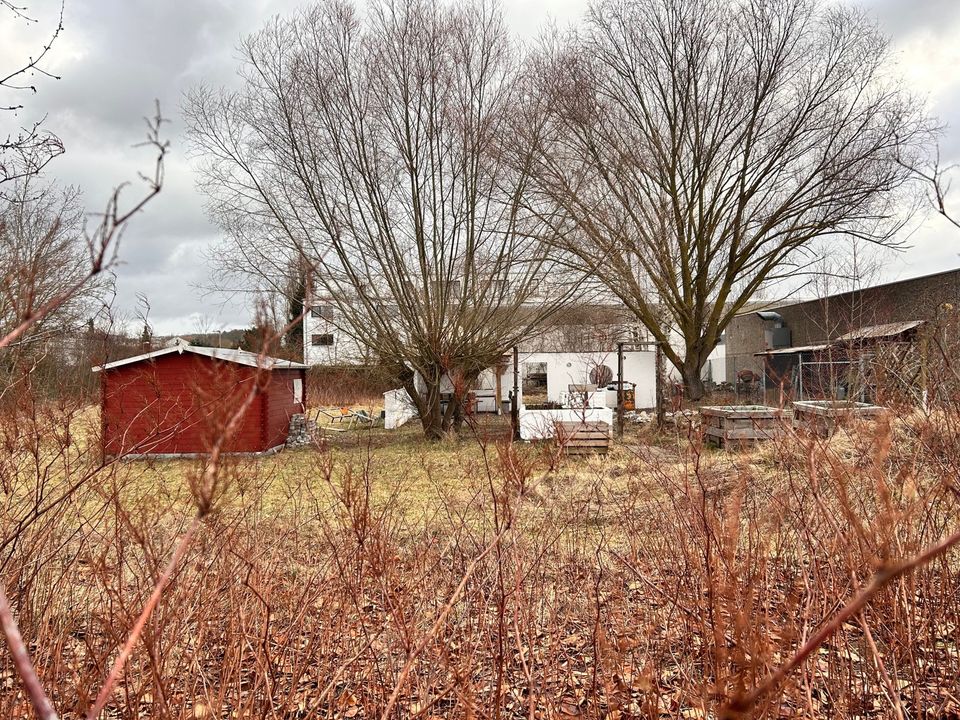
x=780 y=379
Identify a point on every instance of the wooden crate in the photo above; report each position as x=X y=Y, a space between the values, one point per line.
x=823 y=417
x=583 y=438
x=738 y=425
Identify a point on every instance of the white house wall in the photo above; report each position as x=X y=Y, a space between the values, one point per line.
x=564 y=369
x=542 y=424
x=714 y=369
x=344 y=351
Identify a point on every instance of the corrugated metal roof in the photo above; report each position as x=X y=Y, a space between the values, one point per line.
x=871 y=332
x=881 y=331
x=794 y=350
x=241 y=357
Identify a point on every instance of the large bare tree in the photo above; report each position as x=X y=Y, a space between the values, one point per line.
x=693 y=149
x=380 y=149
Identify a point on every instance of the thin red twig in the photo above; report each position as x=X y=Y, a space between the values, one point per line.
x=21 y=661
x=742 y=705
x=148 y=608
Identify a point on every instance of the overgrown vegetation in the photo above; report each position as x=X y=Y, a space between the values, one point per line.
x=386 y=576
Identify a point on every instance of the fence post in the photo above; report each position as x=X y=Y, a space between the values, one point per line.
x=763 y=380
x=515 y=395
x=661 y=410
x=800 y=373
x=863 y=379
x=620 y=390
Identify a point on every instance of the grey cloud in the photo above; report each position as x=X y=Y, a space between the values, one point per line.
x=135 y=51
x=901 y=18
x=138 y=50
x=947 y=110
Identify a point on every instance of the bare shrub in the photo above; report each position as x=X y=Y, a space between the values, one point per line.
x=677 y=586
x=333 y=386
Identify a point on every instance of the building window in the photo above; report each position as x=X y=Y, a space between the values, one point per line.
x=325 y=339
x=322 y=311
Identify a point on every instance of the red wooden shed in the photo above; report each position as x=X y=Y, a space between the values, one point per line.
x=176 y=400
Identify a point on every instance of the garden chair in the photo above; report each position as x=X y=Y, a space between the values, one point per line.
x=336 y=414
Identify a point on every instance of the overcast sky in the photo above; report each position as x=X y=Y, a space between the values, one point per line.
x=117 y=56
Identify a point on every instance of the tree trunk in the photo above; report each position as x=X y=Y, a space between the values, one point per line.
x=427 y=404
x=458 y=416
x=431 y=419
x=461 y=400
x=692 y=382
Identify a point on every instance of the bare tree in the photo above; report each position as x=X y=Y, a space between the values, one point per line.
x=380 y=151
x=42 y=250
x=695 y=148
x=101 y=255
x=29 y=148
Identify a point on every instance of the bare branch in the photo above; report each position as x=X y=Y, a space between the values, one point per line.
x=691 y=150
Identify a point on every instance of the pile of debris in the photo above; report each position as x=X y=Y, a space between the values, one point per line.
x=683 y=418
x=680 y=418
x=639 y=417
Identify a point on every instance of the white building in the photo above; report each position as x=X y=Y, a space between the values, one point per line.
x=324 y=340
x=566 y=348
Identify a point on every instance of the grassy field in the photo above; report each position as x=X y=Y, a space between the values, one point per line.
x=381 y=575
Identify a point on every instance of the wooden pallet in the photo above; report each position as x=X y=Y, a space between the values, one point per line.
x=739 y=426
x=580 y=438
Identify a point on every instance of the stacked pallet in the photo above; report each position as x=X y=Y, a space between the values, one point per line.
x=583 y=438
x=823 y=417
x=736 y=425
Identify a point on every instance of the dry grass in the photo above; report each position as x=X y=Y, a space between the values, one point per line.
x=474 y=578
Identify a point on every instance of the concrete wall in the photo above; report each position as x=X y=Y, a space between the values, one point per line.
x=745 y=336
x=542 y=424
x=715 y=369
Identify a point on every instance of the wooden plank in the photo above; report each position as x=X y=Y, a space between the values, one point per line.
x=590 y=427
x=754 y=434
x=744 y=434
x=584 y=438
